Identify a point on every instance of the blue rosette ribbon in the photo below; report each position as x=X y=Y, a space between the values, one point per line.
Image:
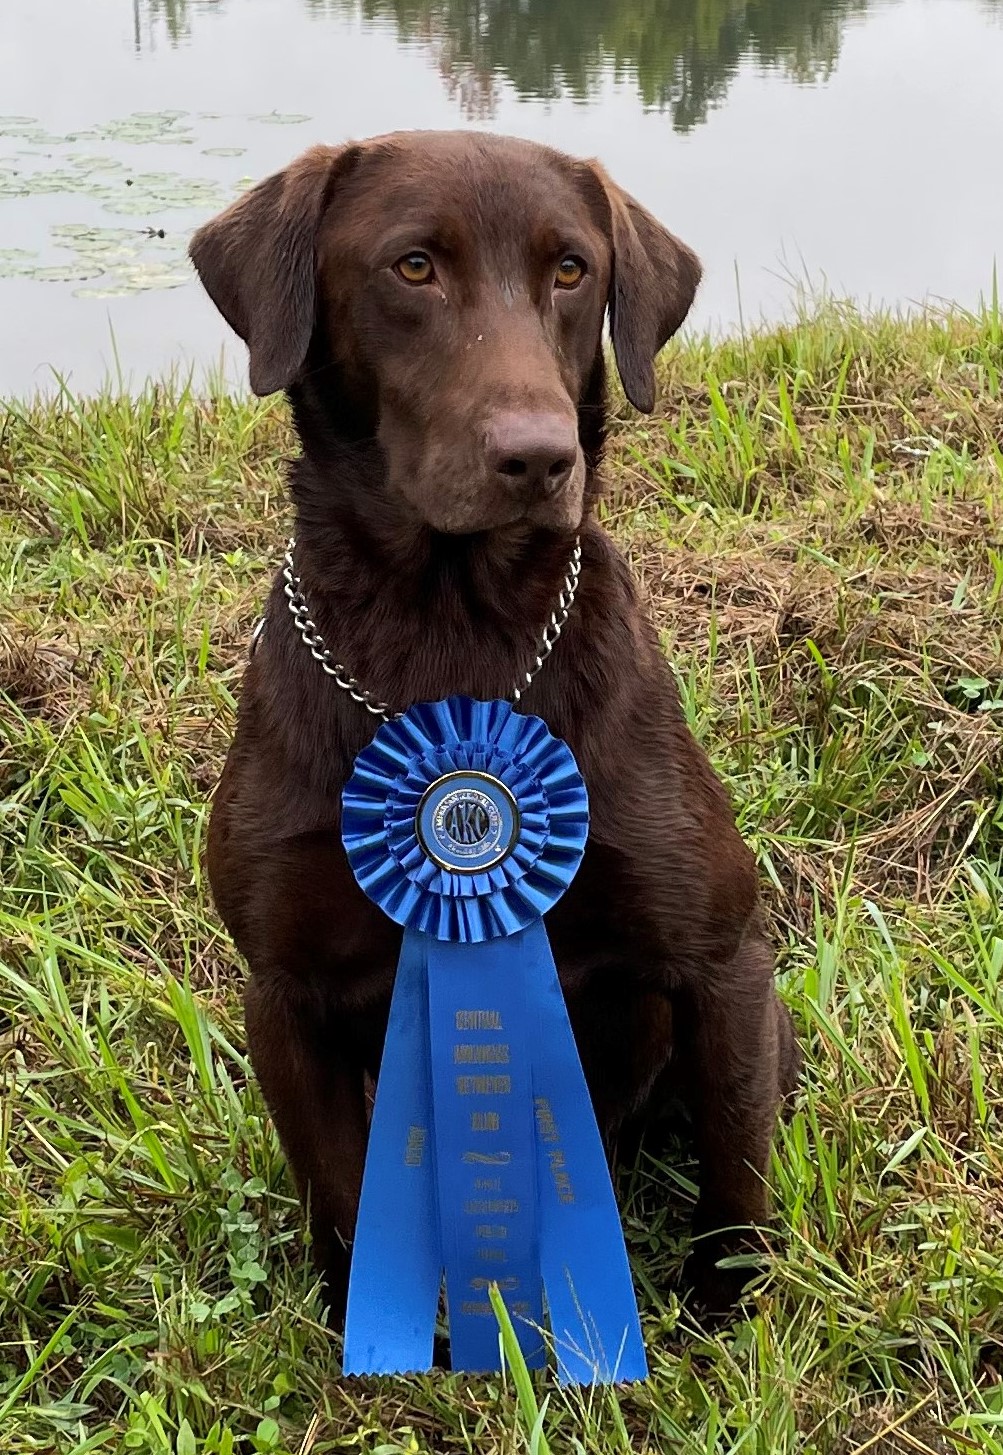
x=465 y=821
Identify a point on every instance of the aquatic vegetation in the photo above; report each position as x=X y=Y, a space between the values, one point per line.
x=16 y=262
x=114 y=261
x=276 y=118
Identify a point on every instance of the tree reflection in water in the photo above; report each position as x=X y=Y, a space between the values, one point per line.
x=682 y=54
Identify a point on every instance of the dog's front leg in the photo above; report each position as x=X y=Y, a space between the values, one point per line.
x=737 y=1038
x=315 y=1091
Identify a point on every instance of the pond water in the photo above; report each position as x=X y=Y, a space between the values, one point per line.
x=851 y=145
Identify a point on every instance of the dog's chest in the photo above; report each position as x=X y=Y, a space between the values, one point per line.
x=595 y=929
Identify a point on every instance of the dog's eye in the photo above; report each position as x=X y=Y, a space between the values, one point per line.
x=415 y=268
x=570 y=272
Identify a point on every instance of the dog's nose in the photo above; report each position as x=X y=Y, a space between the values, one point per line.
x=535 y=453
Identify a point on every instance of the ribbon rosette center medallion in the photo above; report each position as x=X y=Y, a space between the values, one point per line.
x=467 y=822
x=464 y=822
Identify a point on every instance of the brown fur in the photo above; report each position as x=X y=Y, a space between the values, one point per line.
x=432 y=572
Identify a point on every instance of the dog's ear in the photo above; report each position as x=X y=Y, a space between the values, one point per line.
x=257 y=262
x=653 y=283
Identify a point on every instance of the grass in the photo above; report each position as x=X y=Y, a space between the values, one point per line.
x=816 y=516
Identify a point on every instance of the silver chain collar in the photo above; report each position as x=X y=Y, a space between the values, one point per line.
x=321 y=653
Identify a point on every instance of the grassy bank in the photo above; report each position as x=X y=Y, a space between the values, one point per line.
x=816 y=516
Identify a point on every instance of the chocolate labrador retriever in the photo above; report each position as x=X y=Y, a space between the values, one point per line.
x=433 y=306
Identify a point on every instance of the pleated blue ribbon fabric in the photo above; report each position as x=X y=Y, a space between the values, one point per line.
x=465 y=821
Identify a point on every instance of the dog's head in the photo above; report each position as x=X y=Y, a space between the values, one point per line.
x=451 y=289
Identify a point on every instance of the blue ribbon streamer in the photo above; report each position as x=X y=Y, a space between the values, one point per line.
x=484 y=1137
x=396 y=1268
x=465 y=822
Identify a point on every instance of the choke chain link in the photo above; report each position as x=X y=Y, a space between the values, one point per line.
x=321 y=653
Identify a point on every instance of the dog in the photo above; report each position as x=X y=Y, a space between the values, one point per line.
x=433 y=306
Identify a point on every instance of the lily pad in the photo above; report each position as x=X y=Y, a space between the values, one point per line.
x=118 y=291
x=16 y=262
x=79 y=233
x=153 y=180
x=39 y=137
x=142 y=127
x=141 y=280
x=107 y=247
x=223 y=151
x=19 y=126
x=67 y=272
x=137 y=279
x=279 y=118
x=46 y=184
x=134 y=207
x=113 y=260
x=146 y=193
x=97 y=164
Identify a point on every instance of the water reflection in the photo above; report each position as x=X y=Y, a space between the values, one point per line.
x=168 y=19
x=682 y=54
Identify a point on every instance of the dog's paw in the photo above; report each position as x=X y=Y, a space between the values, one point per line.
x=713 y=1287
